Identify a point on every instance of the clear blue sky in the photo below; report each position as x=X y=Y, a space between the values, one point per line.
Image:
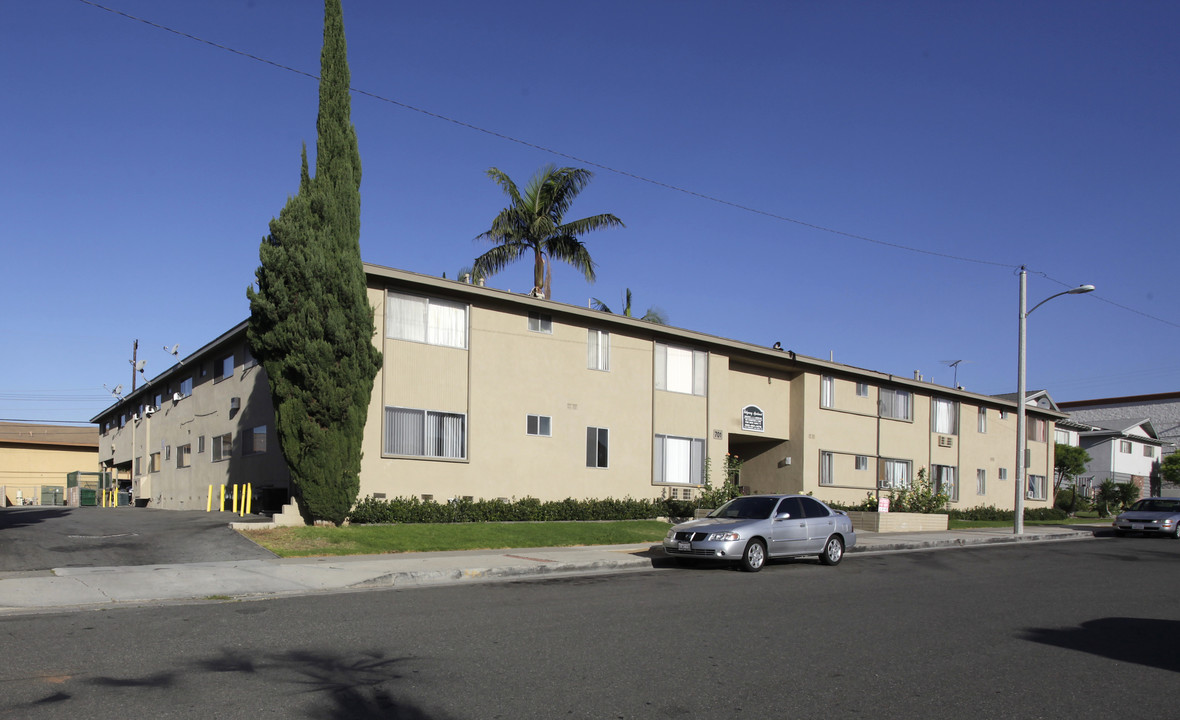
x=141 y=169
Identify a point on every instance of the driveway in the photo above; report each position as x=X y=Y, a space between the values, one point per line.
x=41 y=538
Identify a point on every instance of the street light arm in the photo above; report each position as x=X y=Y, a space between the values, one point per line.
x=1080 y=289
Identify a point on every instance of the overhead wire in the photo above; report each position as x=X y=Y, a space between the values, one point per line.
x=608 y=168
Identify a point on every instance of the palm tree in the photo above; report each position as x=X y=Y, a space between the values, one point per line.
x=535 y=222
x=653 y=314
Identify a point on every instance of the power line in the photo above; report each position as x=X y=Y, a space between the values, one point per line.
x=607 y=168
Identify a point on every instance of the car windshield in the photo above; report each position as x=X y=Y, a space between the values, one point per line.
x=1157 y=506
x=746 y=508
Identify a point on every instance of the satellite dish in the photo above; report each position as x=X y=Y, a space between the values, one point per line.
x=173 y=350
x=139 y=365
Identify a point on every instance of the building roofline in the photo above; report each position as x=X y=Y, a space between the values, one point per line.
x=1123 y=399
x=173 y=370
x=14 y=433
x=750 y=352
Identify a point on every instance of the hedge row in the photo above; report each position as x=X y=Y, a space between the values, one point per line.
x=990 y=512
x=372 y=510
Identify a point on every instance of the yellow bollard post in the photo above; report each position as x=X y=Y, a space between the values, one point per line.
x=221 y=505
x=209 y=502
x=249 y=497
x=235 y=498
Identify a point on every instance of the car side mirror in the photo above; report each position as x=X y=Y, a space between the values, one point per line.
x=783 y=516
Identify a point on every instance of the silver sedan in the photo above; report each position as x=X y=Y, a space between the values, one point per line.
x=1153 y=516
x=751 y=529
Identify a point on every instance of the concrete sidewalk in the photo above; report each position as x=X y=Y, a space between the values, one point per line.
x=105 y=587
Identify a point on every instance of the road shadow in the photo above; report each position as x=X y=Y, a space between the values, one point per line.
x=297 y=683
x=15 y=517
x=1144 y=641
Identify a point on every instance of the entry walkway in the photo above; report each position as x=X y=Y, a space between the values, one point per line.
x=64 y=589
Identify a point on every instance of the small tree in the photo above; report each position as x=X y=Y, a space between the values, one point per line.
x=1169 y=470
x=1069 y=461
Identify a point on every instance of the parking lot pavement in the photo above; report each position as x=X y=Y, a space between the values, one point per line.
x=43 y=537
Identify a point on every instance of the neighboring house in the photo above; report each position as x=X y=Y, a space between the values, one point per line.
x=1126 y=450
x=488 y=394
x=35 y=460
x=1163 y=409
x=204 y=423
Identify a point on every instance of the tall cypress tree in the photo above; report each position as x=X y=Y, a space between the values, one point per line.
x=311 y=325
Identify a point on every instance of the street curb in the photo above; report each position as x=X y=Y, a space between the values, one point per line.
x=969 y=542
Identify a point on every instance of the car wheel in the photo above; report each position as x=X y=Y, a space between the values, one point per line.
x=1176 y=532
x=754 y=556
x=833 y=551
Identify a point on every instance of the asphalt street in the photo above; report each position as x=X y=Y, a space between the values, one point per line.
x=1039 y=630
x=39 y=538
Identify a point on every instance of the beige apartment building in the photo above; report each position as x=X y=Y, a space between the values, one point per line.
x=488 y=394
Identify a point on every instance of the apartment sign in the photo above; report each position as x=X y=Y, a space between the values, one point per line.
x=752 y=418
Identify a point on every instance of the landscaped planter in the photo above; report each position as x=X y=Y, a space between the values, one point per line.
x=897 y=521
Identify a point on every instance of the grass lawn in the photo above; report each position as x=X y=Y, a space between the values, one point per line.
x=377 y=539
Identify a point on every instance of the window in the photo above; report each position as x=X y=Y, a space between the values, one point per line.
x=944 y=416
x=540 y=322
x=862 y=389
x=122 y=419
x=981 y=482
x=825 y=468
x=201 y=444
x=895 y=404
x=539 y=425
x=1035 y=430
x=426 y=320
x=154 y=462
x=943 y=479
x=862 y=462
x=678 y=460
x=1124 y=446
x=167 y=452
x=597 y=350
x=248 y=360
x=1061 y=437
x=1148 y=451
x=158 y=400
x=254 y=440
x=186 y=387
x=1003 y=474
x=982 y=426
x=827 y=391
x=223 y=447
x=1036 y=487
x=1003 y=414
x=597 y=443
x=223 y=368
x=138 y=466
x=425 y=433
x=681 y=370
x=895 y=474
x=183 y=455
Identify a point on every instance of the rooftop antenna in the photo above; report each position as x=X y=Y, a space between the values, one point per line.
x=134 y=366
x=954 y=364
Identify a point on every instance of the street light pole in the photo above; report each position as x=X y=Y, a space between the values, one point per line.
x=1021 y=436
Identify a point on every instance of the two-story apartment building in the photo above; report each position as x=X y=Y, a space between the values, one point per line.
x=488 y=394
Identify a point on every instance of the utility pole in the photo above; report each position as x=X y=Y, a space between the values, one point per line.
x=134 y=353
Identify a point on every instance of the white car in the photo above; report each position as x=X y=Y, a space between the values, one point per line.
x=751 y=529
x=1150 y=516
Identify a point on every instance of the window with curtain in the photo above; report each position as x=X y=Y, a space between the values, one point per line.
x=425 y=433
x=982 y=427
x=943 y=479
x=862 y=462
x=827 y=391
x=540 y=322
x=825 y=468
x=679 y=460
x=944 y=416
x=895 y=474
x=597 y=350
x=862 y=389
x=426 y=320
x=895 y=404
x=981 y=482
x=1036 y=487
x=1035 y=429
x=681 y=370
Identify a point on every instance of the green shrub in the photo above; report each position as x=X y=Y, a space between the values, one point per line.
x=371 y=511
x=991 y=513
